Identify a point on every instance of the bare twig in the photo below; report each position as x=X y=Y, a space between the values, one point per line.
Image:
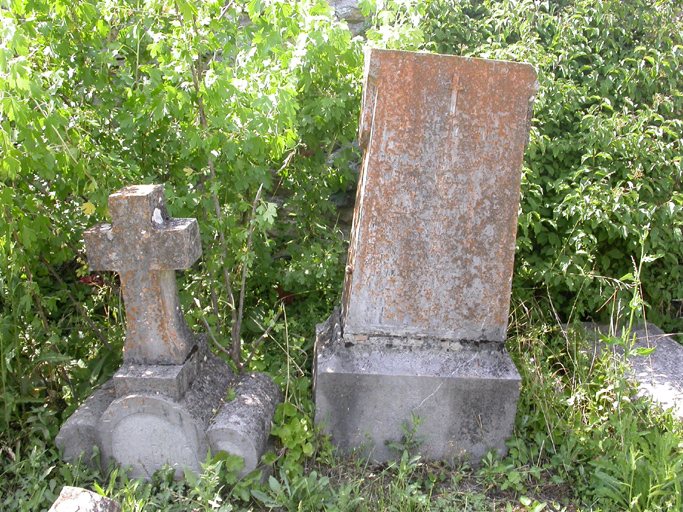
x=263 y=337
x=225 y=10
x=237 y=326
x=78 y=306
x=214 y=305
x=197 y=72
x=213 y=338
x=240 y=365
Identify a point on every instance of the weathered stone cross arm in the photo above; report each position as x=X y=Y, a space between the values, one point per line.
x=146 y=246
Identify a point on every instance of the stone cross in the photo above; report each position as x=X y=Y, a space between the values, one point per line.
x=165 y=405
x=146 y=246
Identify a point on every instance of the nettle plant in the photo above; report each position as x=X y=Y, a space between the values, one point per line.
x=244 y=110
x=604 y=165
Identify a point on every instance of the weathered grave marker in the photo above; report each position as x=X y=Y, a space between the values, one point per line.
x=145 y=246
x=165 y=404
x=427 y=289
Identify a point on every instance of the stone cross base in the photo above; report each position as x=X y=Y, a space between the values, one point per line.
x=466 y=395
x=150 y=415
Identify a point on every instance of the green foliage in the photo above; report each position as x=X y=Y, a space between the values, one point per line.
x=410 y=441
x=215 y=100
x=604 y=163
x=581 y=424
x=293 y=493
x=395 y=23
x=295 y=432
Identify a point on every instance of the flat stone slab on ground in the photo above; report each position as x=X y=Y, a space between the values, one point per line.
x=659 y=375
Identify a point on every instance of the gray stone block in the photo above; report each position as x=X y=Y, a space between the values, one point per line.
x=242 y=425
x=144 y=430
x=465 y=395
x=659 y=375
x=80 y=433
x=348 y=11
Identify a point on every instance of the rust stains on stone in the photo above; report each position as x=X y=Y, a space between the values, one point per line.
x=146 y=247
x=434 y=231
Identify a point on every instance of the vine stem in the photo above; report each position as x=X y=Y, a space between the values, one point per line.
x=236 y=310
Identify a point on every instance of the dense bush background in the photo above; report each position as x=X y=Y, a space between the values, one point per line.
x=602 y=174
x=212 y=100
x=217 y=99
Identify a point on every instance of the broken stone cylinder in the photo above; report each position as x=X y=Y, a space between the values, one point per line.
x=242 y=426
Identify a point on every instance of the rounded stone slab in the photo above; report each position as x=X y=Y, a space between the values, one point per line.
x=145 y=432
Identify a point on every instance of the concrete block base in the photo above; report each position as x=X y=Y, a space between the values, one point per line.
x=465 y=393
x=148 y=416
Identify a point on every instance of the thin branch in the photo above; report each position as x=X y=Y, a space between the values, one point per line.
x=239 y=364
x=82 y=311
x=213 y=338
x=225 y=10
x=214 y=305
x=196 y=77
x=263 y=337
x=237 y=326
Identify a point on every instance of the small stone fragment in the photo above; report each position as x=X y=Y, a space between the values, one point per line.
x=75 y=499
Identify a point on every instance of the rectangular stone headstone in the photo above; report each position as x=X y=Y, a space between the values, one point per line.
x=427 y=288
x=434 y=231
x=166 y=404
